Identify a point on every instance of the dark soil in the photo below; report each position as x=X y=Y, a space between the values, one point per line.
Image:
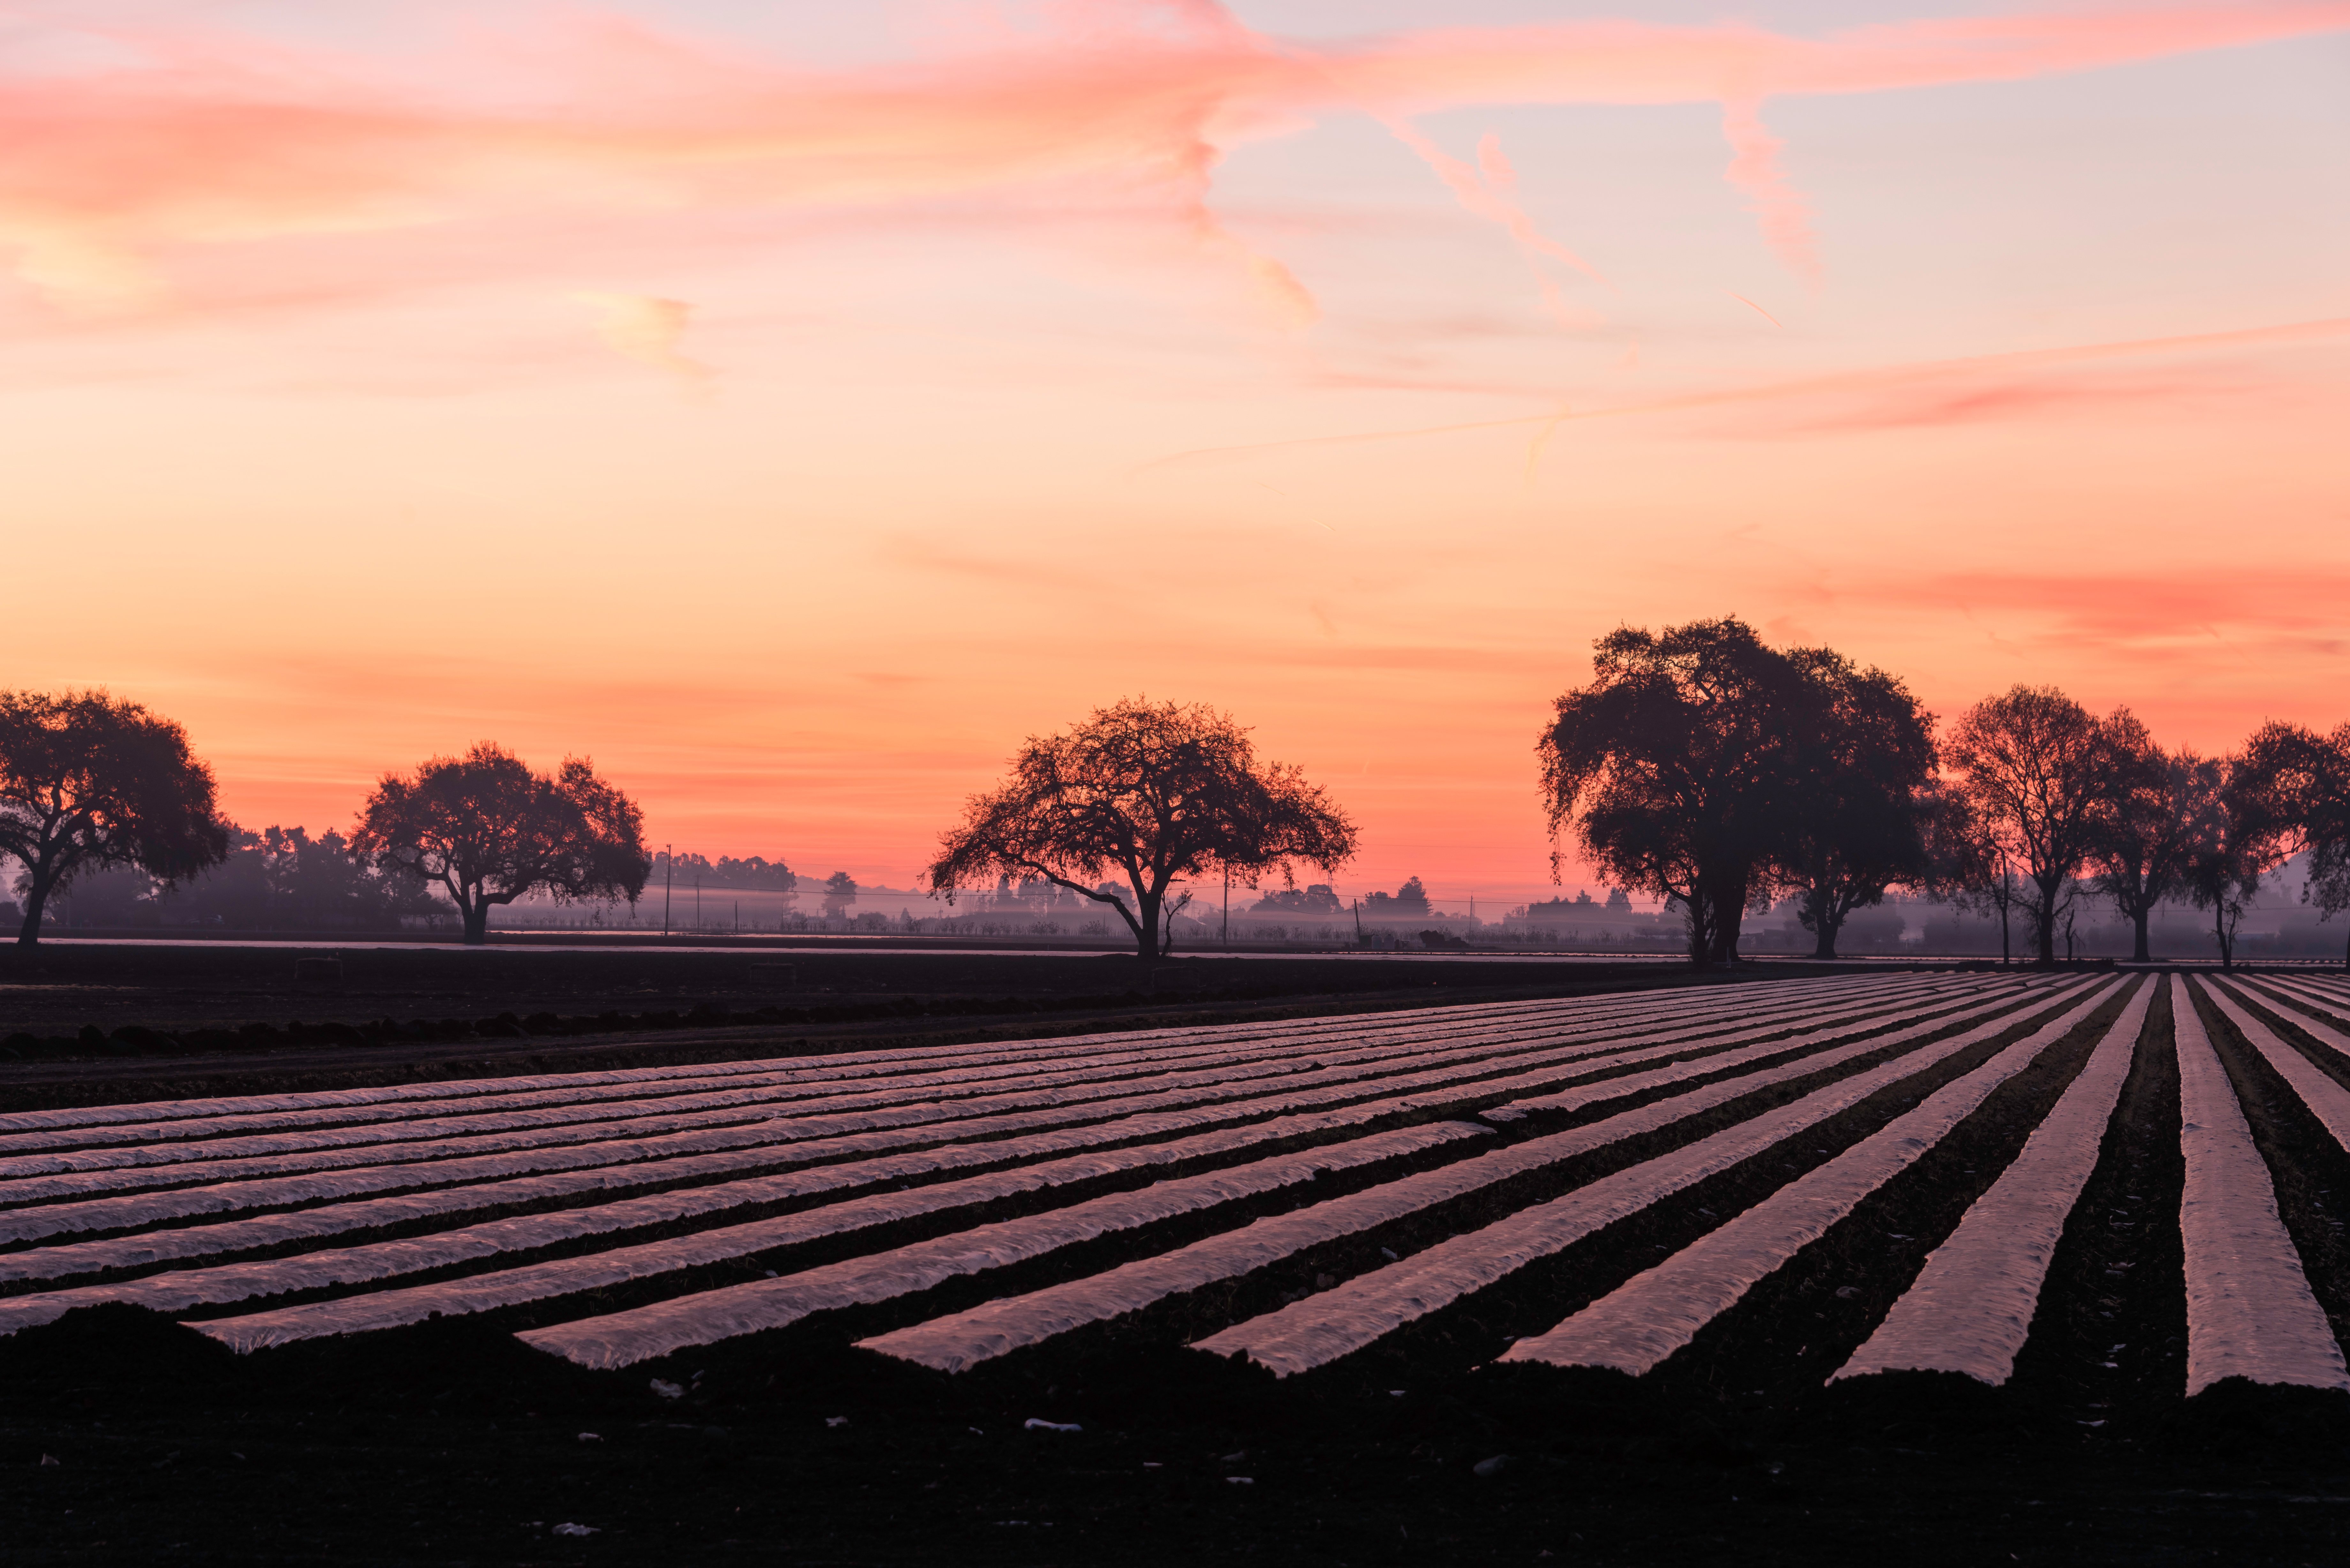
x=452 y=1442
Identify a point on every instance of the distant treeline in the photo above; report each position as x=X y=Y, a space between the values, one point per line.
x=278 y=879
x=751 y=874
x=284 y=880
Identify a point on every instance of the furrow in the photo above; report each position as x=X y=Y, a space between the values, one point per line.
x=622 y=1338
x=964 y=1339
x=152 y=1246
x=1319 y=1330
x=1970 y=1308
x=2249 y=1310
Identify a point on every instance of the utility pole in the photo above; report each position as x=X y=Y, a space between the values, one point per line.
x=669 y=881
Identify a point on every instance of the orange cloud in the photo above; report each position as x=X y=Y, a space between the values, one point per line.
x=648 y=329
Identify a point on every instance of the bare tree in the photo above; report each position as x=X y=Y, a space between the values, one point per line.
x=1159 y=792
x=2034 y=764
x=88 y=782
x=489 y=831
x=2142 y=828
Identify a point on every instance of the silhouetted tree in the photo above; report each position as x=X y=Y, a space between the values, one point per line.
x=2233 y=843
x=489 y=831
x=839 y=892
x=2298 y=783
x=1156 y=791
x=2035 y=765
x=1407 y=902
x=1316 y=899
x=88 y=782
x=2142 y=827
x=1676 y=768
x=1857 y=824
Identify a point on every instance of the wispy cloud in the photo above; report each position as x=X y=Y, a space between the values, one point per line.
x=1922 y=392
x=115 y=170
x=1489 y=190
x=650 y=330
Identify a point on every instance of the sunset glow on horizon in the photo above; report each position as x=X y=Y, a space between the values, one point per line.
x=791 y=409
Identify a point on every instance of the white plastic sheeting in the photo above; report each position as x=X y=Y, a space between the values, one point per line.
x=622 y=1338
x=834 y=1063
x=782 y=1141
x=1323 y=1327
x=2249 y=1310
x=2327 y=1100
x=964 y=1339
x=1661 y=1309
x=1971 y=1307
x=1101 y=1075
x=151 y=1248
x=185 y=1288
x=399 y=1098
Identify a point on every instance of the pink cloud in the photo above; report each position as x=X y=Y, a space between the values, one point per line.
x=1926 y=392
x=1489 y=190
x=221 y=141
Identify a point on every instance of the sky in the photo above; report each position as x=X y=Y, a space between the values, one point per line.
x=791 y=408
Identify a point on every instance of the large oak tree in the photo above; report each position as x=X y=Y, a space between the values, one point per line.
x=1678 y=769
x=489 y=830
x=1159 y=792
x=1862 y=801
x=88 y=781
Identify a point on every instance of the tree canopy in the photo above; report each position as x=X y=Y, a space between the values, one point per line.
x=1676 y=769
x=1160 y=793
x=2143 y=827
x=89 y=781
x=1857 y=827
x=2034 y=767
x=488 y=830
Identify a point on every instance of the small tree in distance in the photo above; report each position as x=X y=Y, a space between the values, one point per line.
x=2144 y=827
x=489 y=831
x=1157 y=792
x=87 y=781
x=2297 y=784
x=2036 y=764
x=2234 y=844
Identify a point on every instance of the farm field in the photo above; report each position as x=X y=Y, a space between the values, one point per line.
x=1626 y=1276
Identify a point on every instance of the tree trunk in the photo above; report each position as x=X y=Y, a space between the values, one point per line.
x=1826 y=922
x=1146 y=935
x=2139 y=954
x=1729 y=912
x=478 y=923
x=2220 y=932
x=2046 y=920
x=37 y=896
x=1701 y=930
